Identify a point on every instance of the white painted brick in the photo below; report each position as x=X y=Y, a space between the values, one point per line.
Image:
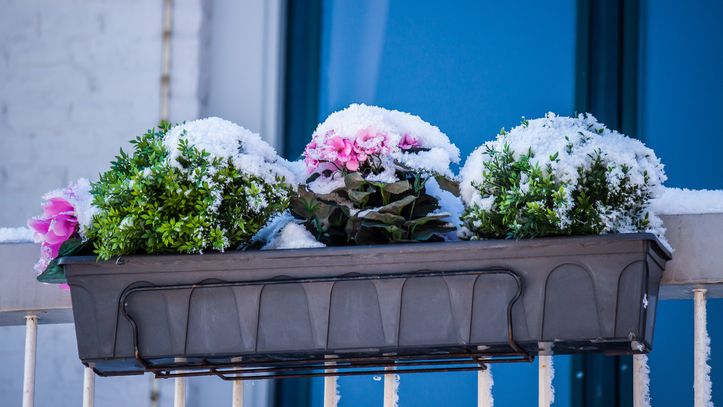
x=78 y=79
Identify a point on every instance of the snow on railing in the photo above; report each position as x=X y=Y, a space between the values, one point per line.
x=696 y=271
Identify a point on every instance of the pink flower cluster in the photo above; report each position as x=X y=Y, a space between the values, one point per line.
x=57 y=224
x=334 y=152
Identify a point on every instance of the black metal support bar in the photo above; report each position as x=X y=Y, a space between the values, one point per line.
x=330 y=364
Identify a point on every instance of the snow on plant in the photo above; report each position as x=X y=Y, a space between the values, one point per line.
x=376 y=142
x=204 y=185
x=560 y=176
x=369 y=168
x=63 y=226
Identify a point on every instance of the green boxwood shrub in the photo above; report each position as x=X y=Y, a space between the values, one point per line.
x=560 y=176
x=198 y=201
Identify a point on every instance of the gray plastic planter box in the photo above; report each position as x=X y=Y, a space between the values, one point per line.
x=416 y=301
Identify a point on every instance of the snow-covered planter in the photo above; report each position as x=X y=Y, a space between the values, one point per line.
x=375 y=177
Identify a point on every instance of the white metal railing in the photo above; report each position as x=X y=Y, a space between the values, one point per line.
x=695 y=272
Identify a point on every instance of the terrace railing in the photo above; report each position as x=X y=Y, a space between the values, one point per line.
x=696 y=272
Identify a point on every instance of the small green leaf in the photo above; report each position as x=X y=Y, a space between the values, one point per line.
x=313 y=177
x=428 y=218
x=360 y=197
x=448 y=185
x=54 y=273
x=354 y=180
x=396 y=207
x=386 y=218
x=398 y=187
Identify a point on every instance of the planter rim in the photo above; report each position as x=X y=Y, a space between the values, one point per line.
x=401 y=247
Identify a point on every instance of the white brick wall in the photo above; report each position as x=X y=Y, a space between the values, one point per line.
x=78 y=79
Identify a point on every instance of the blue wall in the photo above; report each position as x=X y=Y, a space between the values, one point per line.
x=681 y=89
x=469 y=69
x=681 y=105
x=476 y=67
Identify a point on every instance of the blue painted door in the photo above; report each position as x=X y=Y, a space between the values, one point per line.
x=472 y=67
x=681 y=105
x=469 y=67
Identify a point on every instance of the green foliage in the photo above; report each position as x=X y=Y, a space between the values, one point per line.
x=54 y=273
x=525 y=199
x=371 y=212
x=147 y=205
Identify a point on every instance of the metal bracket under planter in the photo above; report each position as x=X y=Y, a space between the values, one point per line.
x=419 y=360
x=356 y=310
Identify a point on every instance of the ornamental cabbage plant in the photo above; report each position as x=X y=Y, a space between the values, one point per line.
x=560 y=176
x=376 y=176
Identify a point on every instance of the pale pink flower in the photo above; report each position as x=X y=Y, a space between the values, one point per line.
x=311 y=156
x=408 y=142
x=341 y=152
x=369 y=142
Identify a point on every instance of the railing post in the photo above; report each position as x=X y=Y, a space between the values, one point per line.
x=31 y=341
x=546 y=372
x=237 y=395
x=702 y=386
x=88 y=387
x=641 y=381
x=391 y=388
x=484 y=388
x=179 y=392
x=330 y=391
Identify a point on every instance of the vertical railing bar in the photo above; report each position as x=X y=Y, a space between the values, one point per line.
x=155 y=391
x=702 y=386
x=179 y=388
x=237 y=395
x=330 y=390
x=484 y=388
x=546 y=372
x=641 y=381
x=88 y=387
x=179 y=392
x=391 y=388
x=31 y=341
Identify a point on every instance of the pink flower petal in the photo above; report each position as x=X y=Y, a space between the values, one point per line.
x=352 y=164
x=56 y=206
x=39 y=225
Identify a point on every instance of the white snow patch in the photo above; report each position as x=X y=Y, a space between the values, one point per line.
x=293 y=236
x=394 y=125
x=16 y=235
x=324 y=185
x=229 y=141
x=272 y=227
x=388 y=176
x=447 y=203
x=676 y=201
